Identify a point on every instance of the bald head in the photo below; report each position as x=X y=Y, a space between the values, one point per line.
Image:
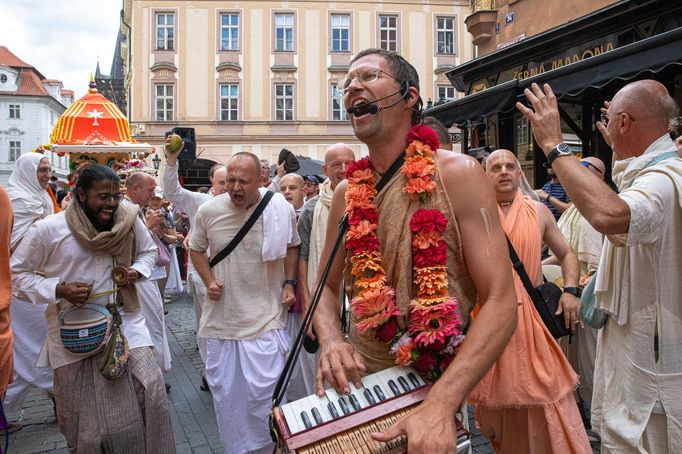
x=336 y=159
x=291 y=187
x=140 y=188
x=595 y=165
x=504 y=172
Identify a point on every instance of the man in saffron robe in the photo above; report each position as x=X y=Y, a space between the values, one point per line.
x=6 y=366
x=382 y=89
x=525 y=402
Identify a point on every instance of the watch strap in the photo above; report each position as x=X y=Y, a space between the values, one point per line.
x=575 y=291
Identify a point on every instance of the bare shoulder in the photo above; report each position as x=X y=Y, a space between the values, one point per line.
x=466 y=183
x=544 y=215
x=457 y=165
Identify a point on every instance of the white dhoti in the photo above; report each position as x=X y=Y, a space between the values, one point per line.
x=197 y=289
x=174 y=282
x=242 y=375
x=151 y=307
x=302 y=383
x=30 y=330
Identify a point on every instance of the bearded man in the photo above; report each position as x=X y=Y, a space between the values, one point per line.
x=525 y=402
x=76 y=250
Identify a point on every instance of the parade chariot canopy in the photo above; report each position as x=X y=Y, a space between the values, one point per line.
x=93 y=128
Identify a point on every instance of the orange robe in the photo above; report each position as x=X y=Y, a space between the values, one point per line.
x=525 y=402
x=6 y=356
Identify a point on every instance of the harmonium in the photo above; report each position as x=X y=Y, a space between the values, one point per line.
x=343 y=424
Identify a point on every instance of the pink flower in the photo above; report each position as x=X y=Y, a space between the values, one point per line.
x=424 y=134
x=434 y=324
x=374 y=308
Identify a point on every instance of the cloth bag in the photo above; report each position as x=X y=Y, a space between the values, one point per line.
x=85 y=330
x=589 y=312
x=164 y=257
x=114 y=360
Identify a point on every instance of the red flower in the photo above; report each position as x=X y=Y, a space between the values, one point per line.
x=432 y=256
x=425 y=220
x=363 y=214
x=425 y=362
x=362 y=244
x=424 y=134
x=445 y=362
x=387 y=331
x=360 y=164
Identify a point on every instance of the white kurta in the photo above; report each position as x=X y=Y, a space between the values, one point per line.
x=247 y=342
x=50 y=246
x=630 y=383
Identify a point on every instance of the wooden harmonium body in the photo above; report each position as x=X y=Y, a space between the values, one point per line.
x=343 y=424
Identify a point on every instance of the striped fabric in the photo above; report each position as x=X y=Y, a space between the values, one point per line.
x=555 y=190
x=127 y=415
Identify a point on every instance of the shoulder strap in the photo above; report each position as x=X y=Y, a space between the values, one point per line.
x=660 y=157
x=520 y=270
x=243 y=231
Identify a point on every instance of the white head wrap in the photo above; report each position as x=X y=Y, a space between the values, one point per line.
x=29 y=200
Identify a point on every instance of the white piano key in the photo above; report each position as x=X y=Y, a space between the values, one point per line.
x=290 y=417
x=337 y=399
x=359 y=395
x=372 y=382
x=321 y=404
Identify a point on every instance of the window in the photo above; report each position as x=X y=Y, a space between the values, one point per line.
x=229 y=102
x=15 y=111
x=229 y=31
x=284 y=32
x=14 y=150
x=165 y=31
x=284 y=102
x=445 y=35
x=340 y=33
x=338 y=110
x=3 y=78
x=164 y=102
x=388 y=33
x=445 y=93
x=521 y=131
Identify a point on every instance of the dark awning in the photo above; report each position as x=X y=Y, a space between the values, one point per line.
x=651 y=55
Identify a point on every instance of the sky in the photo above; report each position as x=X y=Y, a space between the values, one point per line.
x=62 y=39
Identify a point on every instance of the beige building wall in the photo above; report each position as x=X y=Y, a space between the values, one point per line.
x=196 y=66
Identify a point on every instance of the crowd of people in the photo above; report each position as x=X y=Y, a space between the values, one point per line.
x=424 y=274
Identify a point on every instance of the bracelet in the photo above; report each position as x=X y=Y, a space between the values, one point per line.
x=547 y=198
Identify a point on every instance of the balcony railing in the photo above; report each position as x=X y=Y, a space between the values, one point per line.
x=482 y=5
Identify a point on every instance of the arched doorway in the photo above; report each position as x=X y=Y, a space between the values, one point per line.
x=194 y=174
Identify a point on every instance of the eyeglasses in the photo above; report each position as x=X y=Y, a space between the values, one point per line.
x=106 y=197
x=364 y=77
x=588 y=164
x=604 y=117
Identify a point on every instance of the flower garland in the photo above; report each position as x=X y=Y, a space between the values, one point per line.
x=430 y=341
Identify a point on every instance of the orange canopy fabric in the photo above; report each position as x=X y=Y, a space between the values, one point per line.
x=92 y=120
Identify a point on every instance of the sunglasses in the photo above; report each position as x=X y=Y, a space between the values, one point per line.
x=589 y=164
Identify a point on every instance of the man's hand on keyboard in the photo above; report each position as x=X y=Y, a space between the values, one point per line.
x=430 y=429
x=339 y=363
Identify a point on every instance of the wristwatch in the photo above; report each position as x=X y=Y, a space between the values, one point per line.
x=560 y=150
x=575 y=291
x=292 y=282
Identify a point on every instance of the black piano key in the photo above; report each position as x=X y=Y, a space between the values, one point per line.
x=354 y=402
x=394 y=388
x=403 y=383
x=379 y=392
x=413 y=379
x=316 y=415
x=332 y=409
x=370 y=398
x=344 y=406
x=306 y=420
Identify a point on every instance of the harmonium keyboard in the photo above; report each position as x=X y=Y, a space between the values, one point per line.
x=343 y=424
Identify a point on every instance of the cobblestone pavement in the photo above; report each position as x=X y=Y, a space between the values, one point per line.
x=194 y=421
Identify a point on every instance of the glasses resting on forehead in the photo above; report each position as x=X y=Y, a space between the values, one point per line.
x=588 y=164
x=105 y=197
x=365 y=76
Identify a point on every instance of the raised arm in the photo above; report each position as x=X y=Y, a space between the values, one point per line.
x=182 y=198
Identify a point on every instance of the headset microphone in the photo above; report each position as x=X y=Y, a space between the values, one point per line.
x=372 y=108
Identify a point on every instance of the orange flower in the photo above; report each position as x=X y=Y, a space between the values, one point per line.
x=361 y=229
x=359 y=196
x=418 y=186
x=427 y=303
x=418 y=168
x=424 y=240
x=432 y=282
x=417 y=148
x=403 y=355
x=364 y=176
x=366 y=261
x=372 y=282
